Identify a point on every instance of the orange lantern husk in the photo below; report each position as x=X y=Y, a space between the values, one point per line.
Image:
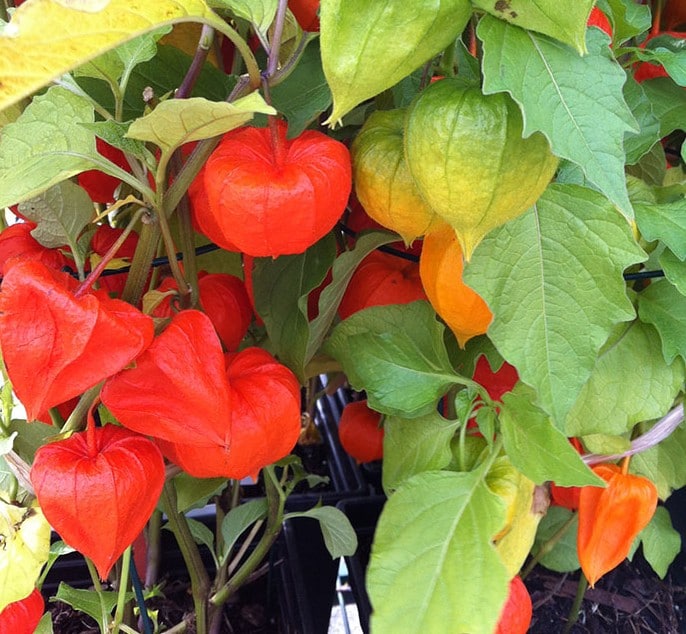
x=610 y=518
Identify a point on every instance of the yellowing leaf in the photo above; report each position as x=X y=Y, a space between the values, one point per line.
x=178 y=121
x=46 y=39
x=25 y=546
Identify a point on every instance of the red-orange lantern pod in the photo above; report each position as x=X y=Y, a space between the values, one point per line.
x=382 y=279
x=268 y=195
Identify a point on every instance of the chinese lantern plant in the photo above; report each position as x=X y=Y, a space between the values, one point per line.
x=534 y=171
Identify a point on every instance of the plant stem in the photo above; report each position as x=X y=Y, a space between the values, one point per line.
x=142 y=260
x=573 y=616
x=200 y=582
x=276 y=500
x=123 y=585
x=546 y=547
x=279 y=21
x=105 y=617
x=201 y=53
x=76 y=418
x=154 y=544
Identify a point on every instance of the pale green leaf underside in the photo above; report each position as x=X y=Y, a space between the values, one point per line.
x=539 y=450
x=664 y=464
x=339 y=536
x=575 y=101
x=629 y=384
x=553 y=279
x=662 y=305
x=433 y=567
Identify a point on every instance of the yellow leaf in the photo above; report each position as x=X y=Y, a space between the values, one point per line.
x=25 y=546
x=46 y=38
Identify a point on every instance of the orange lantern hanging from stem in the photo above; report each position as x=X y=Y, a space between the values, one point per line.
x=610 y=518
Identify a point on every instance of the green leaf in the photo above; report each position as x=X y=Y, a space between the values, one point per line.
x=396 y=353
x=239 y=519
x=577 y=102
x=61 y=213
x=606 y=444
x=339 y=535
x=663 y=306
x=201 y=535
x=114 y=64
x=562 y=557
x=195 y=492
x=260 y=13
x=89 y=601
x=29 y=438
x=414 y=446
x=651 y=166
x=628 y=18
x=368 y=47
x=433 y=566
x=664 y=463
x=638 y=144
x=661 y=543
x=45 y=145
x=539 y=450
x=304 y=95
x=553 y=280
x=343 y=268
x=565 y=23
x=177 y=121
x=114 y=133
x=669 y=104
x=45 y=624
x=665 y=222
x=281 y=286
x=630 y=383
x=674 y=269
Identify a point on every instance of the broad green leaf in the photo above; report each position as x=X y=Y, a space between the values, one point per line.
x=628 y=18
x=178 y=121
x=89 y=601
x=606 y=444
x=343 y=268
x=414 y=446
x=539 y=450
x=281 y=286
x=339 y=535
x=112 y=65
x=661 y=543
x=368 y=47
x=25 y=539
x=29 y=438
x=195 y=492
x=10 y=114
x=47 y=53
x=664 y=464
x=630 y=383
x=433 y=567
x=239 y=519
x=663 y=306
x=304 y=95
x=674 y=269
x=396 y=353
x=638 y=144
x=651 y=166
x=553 y=280
x=665 y=222
x=260 y=13
x=566 y=23
x=562 y=556
x=45 y=145
x=61 y=213
x=577 y=102
x=669 y=104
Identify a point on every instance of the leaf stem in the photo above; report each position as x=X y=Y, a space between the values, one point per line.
x=573 y=616
x=547 y=546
